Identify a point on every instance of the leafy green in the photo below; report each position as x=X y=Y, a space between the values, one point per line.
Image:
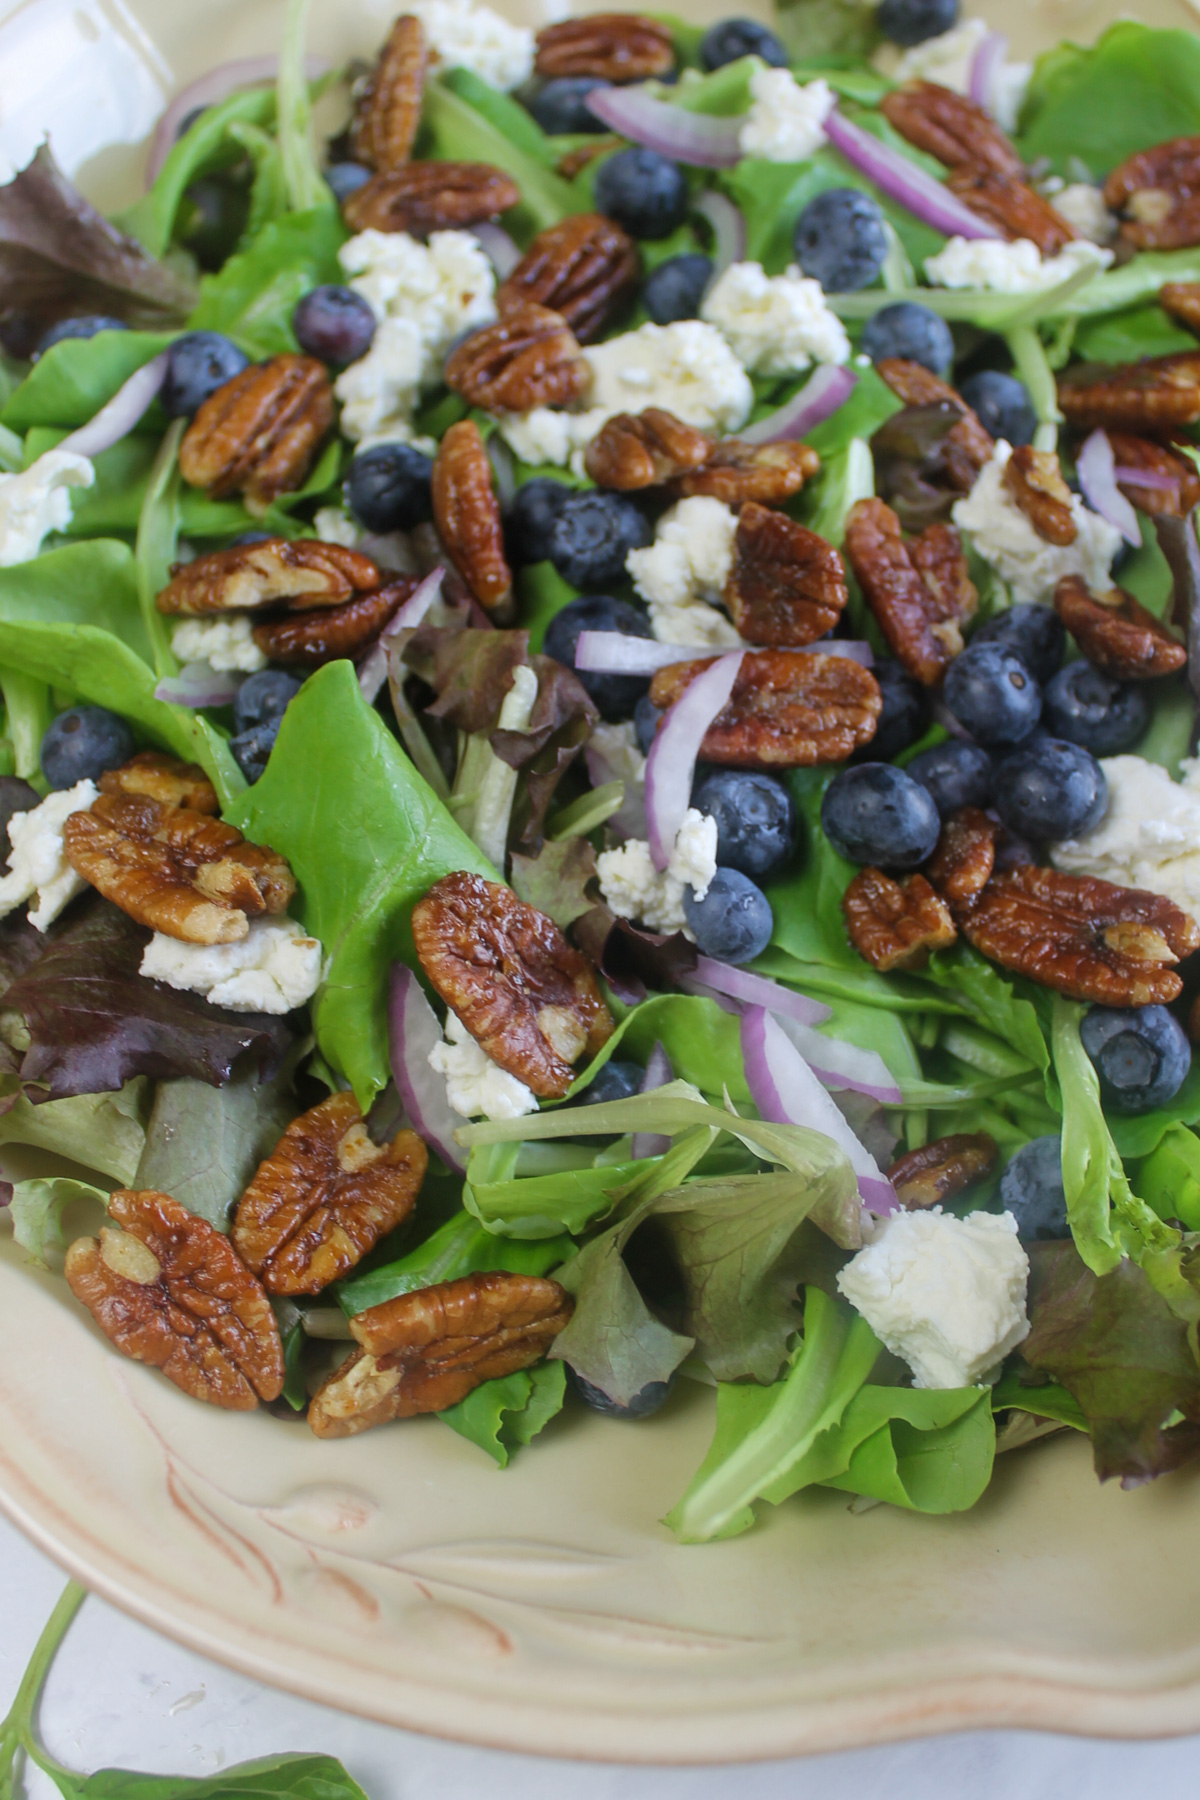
x=506 y=1413
x=1135 y=87
x=512 y=120
x=459 y=1247
x=154 y=550
x=305 y=186
x=28 y=712
x=771 y=196
x=452 y=128
x=543 y=1206
x=36 y=1209
x=69 y=384
x=1125 y=336
x=203 y=1143
x=202 y=147
x=254 y=295
x=105 y=1132
x=1170 y=1176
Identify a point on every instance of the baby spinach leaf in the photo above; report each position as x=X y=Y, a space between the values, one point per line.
x=203 y=1143
x=253 y=296
x=512 y=120
x=1121 y=337
x=36 y=1209
x=105 y=1132
x=459 y=1247
x=1135 y=87
x=203 y=146
x=772 y=196
x=452 y=128
x=69 y=384
x=1170 y=1175
x=543 y=1206
x=504 y=1414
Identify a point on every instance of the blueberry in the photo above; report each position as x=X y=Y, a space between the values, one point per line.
x=1089 y=708
x=675 y=289
x=198 y=363
x=86 y=327
x=388 y=488
x=345 y=178
x=263 y=697
x=212 y=217
x=1048 y=790
x=911 y=331
x=643 y=191
x=955 y=774
x=733 y=923
x=1031 y=1189
x=616 y=1081
x=529 y=524
x=992 y=694
x=190 y=118
x=905 y=711
x=593 y=534
x=647 y=1400
x=561 y=106
x=1003 y=405
x=252 y=748
x=1140 y=1053
x=1035 y=632
x=81 y=743
x=875 y=813
x=334 y=324
x=615 y=695
x=645 y=722
x=731 y=39
x=840 y=240
x=756 y=820
x=910 y=22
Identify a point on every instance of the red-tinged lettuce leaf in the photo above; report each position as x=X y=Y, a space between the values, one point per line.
x=633 y=961
x=470 y=671
x=556 y=879
x=560 y=724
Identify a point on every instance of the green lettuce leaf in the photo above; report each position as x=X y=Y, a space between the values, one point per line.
x=505 y=1414
x=555 y=880
x=452 y=128
x=105 y=1132
x=1170 y=1176
x=253 y=296
x=458 y=1247
x=36 y=1209
x=203 y=1143
x=1135 y=87
x=69 y=384
x=772 y=195
x=203 y=147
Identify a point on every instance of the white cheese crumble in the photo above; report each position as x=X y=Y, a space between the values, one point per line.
x=389 y=549
x=946 y=1294
x=466 y=36
x=1025 y=562
x=618 y=747
x=948 y=59
x=475 y=1085
x=273 y=969
x=498 y=782
x=37 y=863
x=634 y=888
x=37 y=501
x=786 y=122
x=1082 y=206
x=1149 y=837
x=544 y=435
x=775 y=324
x=380 y=391
x=682 y=574
x=223 y=643
x=1002 y=268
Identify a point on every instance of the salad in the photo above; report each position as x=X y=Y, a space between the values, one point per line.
x=599 y=668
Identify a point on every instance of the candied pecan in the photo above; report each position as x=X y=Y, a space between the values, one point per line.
x=259 y=433
x=430 y=196
x=529 y=358
x=895 y=924
x=737 y=472
x=641 y=450
x=582 y=268
x=962 y=863
x=968 y=445
x=1158 y=193
x=942 y=1169
x=786 y=585
x=1035 y=482
x=324 y=1197
x=388 y=110
x=307 y=640
x=1181 y=299
x=1155 y=395
x=950 y=127
x=427 y=1350
x=157 y=776
x=522 y=991
x=613 y=46
x=1117 y=633
x=789 y=709
x=467 y=514
x=1013 y=207
x=919 y=592
x=170 y=1291
x=302 y=571
x=1174 y=486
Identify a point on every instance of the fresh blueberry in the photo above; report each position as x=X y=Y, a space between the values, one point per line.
x=756 y=820
x=875 y=813
x=81 y=743
x=85 y=327
x=334 y=324
x=616 y=1081
x=647 y=1400
x=212 y=217
x=644 y=191
x=1140 y=1053
x=345 y=178
x=252 y=748
x=389 y=488
x=1034 y=631
x=529 y=524
x=615 y=695
x=645 y=722
x=190 y=118
x=1003 y=405
x=912 y=332
x=263 y=697
x=905 y=711
x=956 y=774
x=675 y=289
x=840 y=240
x=731 y=39
x=992 y=694
x=593 y=534
x=1031 y=1189
x=198 y=363
x=1048 y=790
x=733 y=923
x=561 y=106
x=910 y=22
x=1089 y=708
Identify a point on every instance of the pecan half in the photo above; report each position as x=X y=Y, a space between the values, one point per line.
x=1158 y=193
x=642 y=450
x=522 y=991
x=1153 y=396
x=614 y=46
x=467 y=514
x=968 y=444
x=529 y=358
x=422 y=197
x=895 y=924
x=170 y=1291
x=942 y=1169
x=1174 y=486
x=324 y=1197
x=259 y=433
x=307 y=640
x=303 y=572
x=1116 y=632
x=1035 y=482
x=1013 y=207
x=583 y=268
x=950 y=127
x=962 y=863
x=737 y=472
x=788 y=710
x=786 y=585
x=164 y=778
x=388 y=110
x=425 y=1351
x=919 y=592
x=1181 y=300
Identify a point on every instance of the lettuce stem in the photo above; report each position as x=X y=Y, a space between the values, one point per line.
x=1029 y=355
x=305 y=186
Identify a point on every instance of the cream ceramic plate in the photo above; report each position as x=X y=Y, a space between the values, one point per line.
x=399 y=1574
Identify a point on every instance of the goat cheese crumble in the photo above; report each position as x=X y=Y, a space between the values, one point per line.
x=949 y=58
x=475 y=1085
x=635 y=889
x=223 y=643
x=1082 y=206
x=1150 y=835
x=273 y=969
x=682 y=574
x=37 y=501
x=1029 y=566
x=1018 y=268
x=786 y=122
x=467 y=36
x=775 y=324
x=37 y=862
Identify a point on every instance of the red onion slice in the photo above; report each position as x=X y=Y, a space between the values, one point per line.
x=612 y=653
x=198 y=684
x=946 y=719
x=729 y=229
x=1096 y=467
x=1144 y=478
x=759 y=990
x=837 y=1064
x=658 y=1073
x=209 y=90
x=671 y=763
x=985 y=64
x=413 y=1031
x=498 y=247
x=373 y=672
x=902 y=180
x=688 y=137
x=116 y=420
x=828 y=388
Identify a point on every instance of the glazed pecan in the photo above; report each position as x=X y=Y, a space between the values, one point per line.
x=919 y=592
x=895 y=924
x=950 y=127
x=1013 y=207
x=788 y=709
x=1117 y=633
x=467 y=515
x=530 y=357
x=582 y=268
x=303 y=572
x=737 y=472
x=1173 y=488
x=307 y=640
x=388 y=109
x=786 y=585
x=968 y=445
x=642 y=450
x=259 y=433
x=613 y=46
x=425 y=1351
x=962 y=864
x=1181 y=299
x=422 y=197
x=942 y=1169
x=1157 y=191
x=1034 y=480
x=1152 y=396
x=324 y=1197
x=170 y=1291
x=163 y=778
x=522 y=991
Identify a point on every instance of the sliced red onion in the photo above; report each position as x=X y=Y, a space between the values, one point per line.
x=1096 y=468
x=687 y=137
x=498 y=247
x=925 y=197
x=948 y=722
x=985 y=65
x=729 y=229
x=210 y=90
x=413 y=1031
x=116 y=420
x=658 y=1073
x=837 y=1064
x=758 y=990
x=612 y=653
x=373 y=672
x=671 y=763
x=199 y=684
x=828 y=388
x=1144 y=478
x=853 y=649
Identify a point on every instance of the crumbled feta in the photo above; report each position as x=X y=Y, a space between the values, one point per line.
x=618 y=747
x=223 y=643
x=476 y=1085
x=388 y=549
x=37 y=862
x=948 y=60
x=682 y=574
x=1150 y=835
x=498 y=781
x=380 y=391
x=1018 y=268
x=467 y=36
x=1082 y=206
x=333 y=525
x=543 y=435
x=635 y=889
x=1005 y=538
x=786 y=122
x=774 y=324
x=946 y=1294
x=273 y=969
x=36 y=502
